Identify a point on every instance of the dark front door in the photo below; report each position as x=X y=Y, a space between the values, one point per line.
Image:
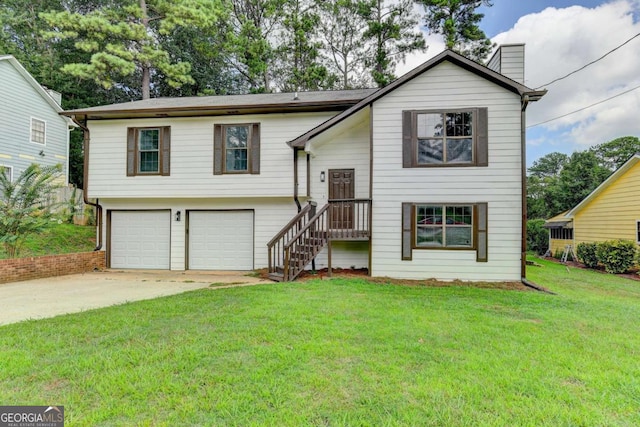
x=341 y=194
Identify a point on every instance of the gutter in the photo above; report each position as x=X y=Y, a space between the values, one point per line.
x=85 y=177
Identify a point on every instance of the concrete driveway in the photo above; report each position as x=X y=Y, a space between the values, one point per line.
x=36 y=299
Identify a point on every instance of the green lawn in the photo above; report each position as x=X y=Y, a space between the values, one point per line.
x=58 y=239
x=342 y=353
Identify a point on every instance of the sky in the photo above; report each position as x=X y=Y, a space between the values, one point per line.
x=561 y=36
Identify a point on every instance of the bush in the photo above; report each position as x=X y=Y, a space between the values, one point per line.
x=617 y=256
x=586 y=253
x=537 y=236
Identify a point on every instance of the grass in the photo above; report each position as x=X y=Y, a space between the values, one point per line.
x=58 y=239
x=342 y=353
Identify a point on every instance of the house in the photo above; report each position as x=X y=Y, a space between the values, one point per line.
x=610 y=212
x=422 y=178
x=31 y=128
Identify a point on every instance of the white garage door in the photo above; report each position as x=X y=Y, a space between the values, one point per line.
x=220 y=240
x=140 y=239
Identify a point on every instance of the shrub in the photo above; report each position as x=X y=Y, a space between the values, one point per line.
x=617 y=256
x=586 y=253
x=537 y=236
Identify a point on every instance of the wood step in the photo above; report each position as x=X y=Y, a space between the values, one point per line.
x=276 y=277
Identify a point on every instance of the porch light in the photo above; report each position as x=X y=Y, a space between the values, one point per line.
x=178 y=216
x=322 y=176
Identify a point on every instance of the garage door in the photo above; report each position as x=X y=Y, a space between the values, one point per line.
x=220 y=240
x=140 y=239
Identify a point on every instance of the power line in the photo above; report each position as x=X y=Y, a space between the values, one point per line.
x=584 y=108
x=590 y=63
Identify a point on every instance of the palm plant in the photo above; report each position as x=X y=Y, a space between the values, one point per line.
x=24 y=207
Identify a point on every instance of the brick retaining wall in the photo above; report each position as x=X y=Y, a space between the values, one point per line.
x=15 y=270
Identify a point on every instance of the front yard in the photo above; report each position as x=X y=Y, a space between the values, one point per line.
x=342 y=352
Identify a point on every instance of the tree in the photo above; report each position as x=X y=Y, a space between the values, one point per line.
x=390 y=30
x=250 y=31
x=579 y=177
x=122 y=38
x=342 y=29
x=615 y=153
x=300 y=66
x=458 y=21
x=23 y=208
x=549 y=165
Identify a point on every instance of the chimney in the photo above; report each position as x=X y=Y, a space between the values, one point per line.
x=57 y=96
x=509 y=61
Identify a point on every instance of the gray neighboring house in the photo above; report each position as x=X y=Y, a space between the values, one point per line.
x=31 y=130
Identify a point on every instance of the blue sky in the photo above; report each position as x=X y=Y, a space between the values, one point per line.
x=560 y=37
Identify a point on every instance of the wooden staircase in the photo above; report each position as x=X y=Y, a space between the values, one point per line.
x=302 y=239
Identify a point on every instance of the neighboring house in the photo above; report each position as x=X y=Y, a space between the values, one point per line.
x=420 y=179
x=31 y=128
x=610 y=212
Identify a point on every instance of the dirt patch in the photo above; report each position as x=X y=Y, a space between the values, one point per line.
x=363 y=273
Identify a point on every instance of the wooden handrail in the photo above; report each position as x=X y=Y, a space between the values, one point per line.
x=290 y=224
x=312 y=222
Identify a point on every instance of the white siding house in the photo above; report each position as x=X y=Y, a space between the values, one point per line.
x=31 y=128
x=420 y=179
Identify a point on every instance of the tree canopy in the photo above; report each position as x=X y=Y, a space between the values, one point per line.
x=458 y=22
x=557 y=182
x=123 y=39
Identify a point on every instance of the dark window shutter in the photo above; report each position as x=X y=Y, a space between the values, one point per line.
x=131 y=151
x=217 y=150
x=255 y=149
x=166 y=150
x=407 y=242
x=482 y=137
x=407 y=140
x=481 y=233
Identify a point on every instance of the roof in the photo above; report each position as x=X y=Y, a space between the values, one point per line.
x=226 y=104
x=607 y=182
x=32 y=81
x=559 y=221
x=447 y=55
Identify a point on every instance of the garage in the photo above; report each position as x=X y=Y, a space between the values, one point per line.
x=140 y=239
x=220 y=240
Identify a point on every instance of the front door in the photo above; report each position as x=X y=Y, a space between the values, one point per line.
x=341 y=193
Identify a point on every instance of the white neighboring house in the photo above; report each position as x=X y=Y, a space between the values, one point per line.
x=420 y=179
x=31 y=128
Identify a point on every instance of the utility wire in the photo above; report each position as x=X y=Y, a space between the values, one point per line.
x=590 y=63
x=584 y=108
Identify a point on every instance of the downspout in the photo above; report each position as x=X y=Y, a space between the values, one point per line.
x=295 y=178
x=85 y=177
x=523 y=180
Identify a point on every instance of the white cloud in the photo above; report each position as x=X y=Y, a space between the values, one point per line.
x=559 y=41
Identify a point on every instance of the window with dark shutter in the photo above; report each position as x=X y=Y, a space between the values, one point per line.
x=436 y=138
x=236 y=149
x=149 y=151
x=444 y=227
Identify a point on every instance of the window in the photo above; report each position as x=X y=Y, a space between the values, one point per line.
x=444 y=226
x=148 y=151
x=38 y=131
x=562 y=233
x=445 y=138
x=638 y=231
x=236 y=149
x=7 y=171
